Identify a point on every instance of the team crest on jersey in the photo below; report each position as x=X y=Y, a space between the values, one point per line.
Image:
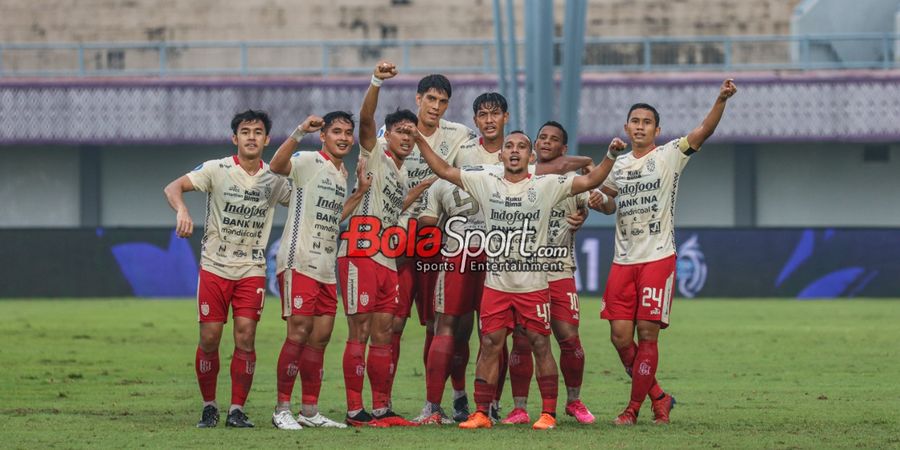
x=298 y=302
x=532 y=195
x=364 y=298
x=267 y=190
x=204 y=309
x=651 y=165
x=444 y=148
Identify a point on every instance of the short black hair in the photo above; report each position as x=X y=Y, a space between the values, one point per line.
x=523 y=134
x=490 y=100
x=437 y=82
x=555 y=124
x=337 y=115
x=251 y=115
x=400 y=115
x=643 y=106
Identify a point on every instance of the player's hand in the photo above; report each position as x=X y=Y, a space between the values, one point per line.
x=616 y=148
x=576 y=219
x=364 y=179
x=184 y=226
x=385 y=70
x=426 y=183
x=727 y=90
x=597 y=199
x=312 y=124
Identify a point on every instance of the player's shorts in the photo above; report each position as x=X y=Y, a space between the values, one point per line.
x=456 y=293
x=504 y=310
x=416 y=287
x=305 y=296
x=246 y=297
x=564 y=301
x=366 y=286
x=640 y=291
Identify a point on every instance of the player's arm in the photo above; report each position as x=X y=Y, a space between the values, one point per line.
x=563 y=165
x=362 y=185
x=594 y=178
x=699 y=135
x=437 y=164
x=184 y=226
x=603 y=200
x=367 y=127
x=417 y=191
x=281 y=162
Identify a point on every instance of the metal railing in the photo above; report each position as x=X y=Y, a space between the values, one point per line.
x=345 y=57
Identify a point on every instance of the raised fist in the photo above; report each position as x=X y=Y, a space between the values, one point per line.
x=616 y=148
x=727 y=90
x=385 y=70
x=311 y=124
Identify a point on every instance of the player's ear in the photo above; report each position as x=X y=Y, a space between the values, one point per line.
x=419 y=100
x=657 y=132
x=506 y=116
x=565 y=149
x=267 y=141
x=234 y=139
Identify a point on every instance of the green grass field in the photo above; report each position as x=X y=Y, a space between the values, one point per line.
x=747 y=373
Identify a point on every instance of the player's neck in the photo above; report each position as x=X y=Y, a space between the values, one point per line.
x=641 y=151
x=493 y=145
x=397 y=160
x=250 y=165
x=515 y=177
x=426 y=130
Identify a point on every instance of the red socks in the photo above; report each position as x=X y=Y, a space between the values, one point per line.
x=242 y=367
x=311 y=361
x=571 y=361
x=354 y=374
x=436 y=370
x=549 y=387
x=484 y=393
x=501 y=374
x=206 y=365
x=643 y=372
x=429 y=337
x=288 y=367
x=627 y=356
x=395 y=357
x=458 y=365
x=521 y=366
x=379 y=367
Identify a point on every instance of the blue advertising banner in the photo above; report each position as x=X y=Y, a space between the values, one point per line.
x=795 y=263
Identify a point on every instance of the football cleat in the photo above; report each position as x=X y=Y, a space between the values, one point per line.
x=433 y=416
x=628 y=417
x=494 y=412
x=580 y=412
x=360 y=419
x=237 y=419
x=209 y=418
x=661 y=409
x=318 y=421
x=284 y=420
x=516 y=416
x=391 y=419
x=545 y=422
x=461 y=409
x=477 y=420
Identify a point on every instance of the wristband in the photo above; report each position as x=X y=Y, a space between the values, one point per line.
x=377 y=82
x=298 y=134
x=603 y=196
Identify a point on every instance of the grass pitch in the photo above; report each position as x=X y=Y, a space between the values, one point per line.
x=747 y=373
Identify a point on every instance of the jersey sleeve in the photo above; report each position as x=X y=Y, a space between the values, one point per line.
x=202 y=176
x=303 y=166
x=610 y=181
x=560 y=187
x=677 y=152
x=461 y=136
x=433 y=206
x=474 y=181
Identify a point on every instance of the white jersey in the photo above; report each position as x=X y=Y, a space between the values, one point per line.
x=239 y=211
x=561 y=235
x=309 y=241
x=473 y=153
x=446 y=200
x=384 y=199
x=645 y=204
x=506 y=207
x=446 y=142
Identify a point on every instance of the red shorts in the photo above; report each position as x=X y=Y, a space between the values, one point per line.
x=416 y=287
x=246 y=296
x=366 y=286
x=501 y=310
x=456 y=293
x=640 y=291
x=564 y=301
x=305 y=296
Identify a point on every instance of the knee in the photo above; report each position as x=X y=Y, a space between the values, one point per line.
x=298 y=334
x=244 y=340
x=540 y=344
x=647 y=331
x=620 y=339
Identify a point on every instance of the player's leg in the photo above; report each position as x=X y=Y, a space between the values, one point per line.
x=521 y=370
x=437 y=368
x=496 y=320
x=312 y=369
x=656 y=283
x=533 y=314
x=357 y=280
x=565 y=318
x=248 y=300
x=295 y=295
x=213 y=300
x=459 y=364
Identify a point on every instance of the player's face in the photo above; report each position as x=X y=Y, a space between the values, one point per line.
x=516 y=153
x=549 y=144
x=641 y=128
x=400 y=139
x=250 y=139
x=490 y=120
x=337 y=138
x=432 y=106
